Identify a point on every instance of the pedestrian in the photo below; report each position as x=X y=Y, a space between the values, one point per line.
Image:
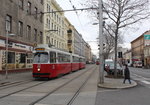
x=126 y=74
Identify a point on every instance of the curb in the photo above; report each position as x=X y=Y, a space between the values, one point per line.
x=109 y=86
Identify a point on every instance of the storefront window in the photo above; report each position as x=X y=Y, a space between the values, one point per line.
x=11 y=57
x=22 y=58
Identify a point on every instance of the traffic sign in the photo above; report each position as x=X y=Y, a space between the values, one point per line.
x=147 y=37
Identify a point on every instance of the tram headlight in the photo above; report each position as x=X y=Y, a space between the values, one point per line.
x=38 y=69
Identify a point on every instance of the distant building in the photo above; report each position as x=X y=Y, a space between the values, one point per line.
x=24 y=19
x=141 y=49
x=120 y=52
x=128 y=57
x=88 y=54
x=137 y=47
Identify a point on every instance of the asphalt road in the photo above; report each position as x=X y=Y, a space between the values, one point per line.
x=138 y=95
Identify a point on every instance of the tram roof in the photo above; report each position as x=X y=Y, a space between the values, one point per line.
x=47 y=48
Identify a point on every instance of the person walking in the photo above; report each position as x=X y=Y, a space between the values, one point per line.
x=126 y=74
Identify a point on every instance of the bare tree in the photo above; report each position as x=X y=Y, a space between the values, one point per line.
x=123 y=13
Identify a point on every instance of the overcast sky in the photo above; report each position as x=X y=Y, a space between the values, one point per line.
x=83 y=24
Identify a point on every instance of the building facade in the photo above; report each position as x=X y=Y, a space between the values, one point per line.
x=88 y=54
x=147 y=49
x=120 y=52
x=20 y=18
x=54 y=25
x=127 y=56
x=78 y=43
x=137 y=47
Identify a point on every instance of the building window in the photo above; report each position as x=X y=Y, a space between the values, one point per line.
x=41 y=37
x=35 y=35
x=41 y=17
x=28 y=32
x=52 y=41
x=29 y=8
x=47 y=23
x=20 y=28
x=21 y=4
x=52 y=12
x=35 y=12
x=47 y=7
x=8 y=23
x=119 y=54
x=52 y=26
x=11 y=57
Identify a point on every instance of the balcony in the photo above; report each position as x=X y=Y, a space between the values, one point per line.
x=69 y=31
x=69 y=41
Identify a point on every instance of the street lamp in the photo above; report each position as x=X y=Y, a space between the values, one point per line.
x=6 y=67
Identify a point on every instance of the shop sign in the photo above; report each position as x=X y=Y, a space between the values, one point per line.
x=16 y=45
x=22 y=46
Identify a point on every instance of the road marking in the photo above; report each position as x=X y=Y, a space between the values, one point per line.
x=146 y=82
x=140 y=77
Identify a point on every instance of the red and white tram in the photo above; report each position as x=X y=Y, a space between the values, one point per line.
x=49 y=62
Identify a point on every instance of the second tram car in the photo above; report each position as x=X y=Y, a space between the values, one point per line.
x=49 y=62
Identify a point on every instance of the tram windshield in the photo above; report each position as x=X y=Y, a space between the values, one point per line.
x=40 y=57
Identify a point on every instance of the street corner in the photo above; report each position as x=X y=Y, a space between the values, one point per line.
x=117 y=84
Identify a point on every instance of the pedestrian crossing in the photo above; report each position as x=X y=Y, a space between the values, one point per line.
x=142 y=80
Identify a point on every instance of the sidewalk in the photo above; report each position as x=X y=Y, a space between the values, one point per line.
x=113 y=83
x=15 y=77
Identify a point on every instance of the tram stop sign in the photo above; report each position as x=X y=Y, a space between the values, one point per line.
x=147 y=37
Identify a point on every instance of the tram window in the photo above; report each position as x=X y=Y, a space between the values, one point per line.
x=63 y=57
x=52 y=57
x=75 y=59
x=40 y=57
x=60 y=57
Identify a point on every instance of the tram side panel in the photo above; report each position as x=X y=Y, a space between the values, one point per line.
x=75 y=63
x=82 y=63
x=63 y=68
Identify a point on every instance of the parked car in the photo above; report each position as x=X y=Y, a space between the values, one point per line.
x=109 y=68
x=137 y=64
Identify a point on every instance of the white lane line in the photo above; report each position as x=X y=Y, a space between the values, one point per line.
x=141 y=77
x=146 y=82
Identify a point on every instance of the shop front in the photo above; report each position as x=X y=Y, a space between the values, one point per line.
x=19 y=56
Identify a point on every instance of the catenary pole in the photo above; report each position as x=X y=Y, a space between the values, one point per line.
x=101 y=66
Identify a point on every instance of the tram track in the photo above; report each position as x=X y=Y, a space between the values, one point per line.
x=17 y=83
x=80 y=88
x=76 y=93
x=21 y=90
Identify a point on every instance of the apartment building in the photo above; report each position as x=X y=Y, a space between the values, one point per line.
x=24 y=20
x=54 y=25
x=137 y=47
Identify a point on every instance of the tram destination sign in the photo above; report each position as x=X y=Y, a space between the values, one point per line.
x=147 y=37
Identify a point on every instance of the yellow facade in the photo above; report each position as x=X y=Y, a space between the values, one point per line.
x=69 y=33
x=54 y=33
